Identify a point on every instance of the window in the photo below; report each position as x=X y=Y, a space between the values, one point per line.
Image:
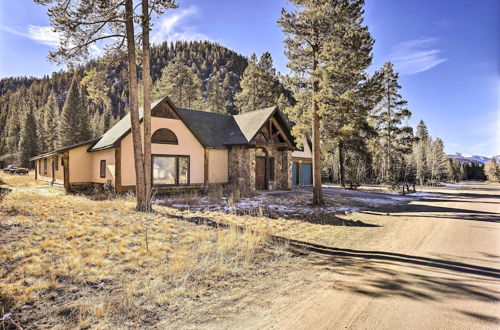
x=164 y=136
x=56 y=163
x=45 y=166
x=102 y=169
x=271 y=168
x=170 y=170
x=62 y=160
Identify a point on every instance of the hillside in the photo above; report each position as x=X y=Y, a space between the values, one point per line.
x=466 y=158
x=18 y=94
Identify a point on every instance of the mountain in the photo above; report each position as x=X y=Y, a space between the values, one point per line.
x=472 y=158
x=19 y=94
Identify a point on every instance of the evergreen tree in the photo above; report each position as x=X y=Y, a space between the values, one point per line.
x=258 y=85
x=28 y=139
x=51 y=123
x=180 y=84
x=309 y=26
x=347 y=95
x=438 y=161
x=420 y=152
x=216 y=97
x=394 y=140
x=74 y=120
x=492 y=170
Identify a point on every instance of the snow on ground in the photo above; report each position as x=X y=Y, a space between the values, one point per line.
x=296 y=203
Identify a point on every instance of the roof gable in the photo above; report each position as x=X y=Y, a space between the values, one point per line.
x=212 y=130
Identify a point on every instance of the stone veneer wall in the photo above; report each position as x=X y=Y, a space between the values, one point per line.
x=242 y=167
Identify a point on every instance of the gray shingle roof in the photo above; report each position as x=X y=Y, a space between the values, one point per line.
x=213 y=130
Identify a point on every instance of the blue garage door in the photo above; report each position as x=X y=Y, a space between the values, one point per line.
x=294 y=174
x=305 y=174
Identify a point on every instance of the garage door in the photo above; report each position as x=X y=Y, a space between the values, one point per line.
x=305 y=174
x=295 y=179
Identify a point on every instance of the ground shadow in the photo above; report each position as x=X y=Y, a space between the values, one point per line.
x=379 y=274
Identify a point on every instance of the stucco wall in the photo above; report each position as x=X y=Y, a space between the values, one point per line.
x=188 y=146
x=109 y=156
x=218 y=165
x=306 y=153
x=80 y=165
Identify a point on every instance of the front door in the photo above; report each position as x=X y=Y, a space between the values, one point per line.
x=260 y=173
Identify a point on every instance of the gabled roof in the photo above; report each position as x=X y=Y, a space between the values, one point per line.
x=212 y=130
x=119 y=130
x=251 y=122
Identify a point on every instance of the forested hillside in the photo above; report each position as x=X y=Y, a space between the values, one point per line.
x=102 y=85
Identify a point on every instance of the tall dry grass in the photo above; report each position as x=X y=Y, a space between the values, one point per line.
x=81 y=263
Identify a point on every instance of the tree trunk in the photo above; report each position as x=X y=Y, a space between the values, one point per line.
x=140 y=188
x=316 y=157
x=341 y=164
x=146 y=81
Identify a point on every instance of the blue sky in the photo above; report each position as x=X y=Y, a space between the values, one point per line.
x=447 y=52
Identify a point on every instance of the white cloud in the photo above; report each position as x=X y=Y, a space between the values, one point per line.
x=41 y=34
x=417 y=55
x=172 y=27
x=44 y=35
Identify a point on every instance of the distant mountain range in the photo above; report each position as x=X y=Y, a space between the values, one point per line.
x=472 y=158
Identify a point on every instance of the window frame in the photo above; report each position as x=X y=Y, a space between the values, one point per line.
x=177 y=170
x=102 y=170
x=176 y=142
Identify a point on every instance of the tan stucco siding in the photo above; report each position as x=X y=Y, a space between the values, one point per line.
x=306 y=153
x=218 y=165
x=80 y=165
x=188 y=146
x=109 y=156
x=59 y=172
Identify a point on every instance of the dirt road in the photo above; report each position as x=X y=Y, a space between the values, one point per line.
x=433 y=264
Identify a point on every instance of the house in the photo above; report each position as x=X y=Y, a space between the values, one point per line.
x=190 y=149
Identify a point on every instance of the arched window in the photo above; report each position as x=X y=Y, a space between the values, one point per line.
x=164 y=136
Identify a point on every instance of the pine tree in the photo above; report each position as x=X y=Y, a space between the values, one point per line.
x=388 y=116
x=28 y=139
x=258 y=85
x=74 y=120
x=51 y=122
x=492 y=170
x=309 y=27
x=420 y=154
x=216 y=97
x=348 y=94
x=438 y=161
x=180 y=84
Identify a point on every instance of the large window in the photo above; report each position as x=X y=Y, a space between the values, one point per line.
x=164 y=136
x=102 y=169
x=170 y=170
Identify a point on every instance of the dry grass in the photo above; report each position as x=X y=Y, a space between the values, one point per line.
x=67 y=261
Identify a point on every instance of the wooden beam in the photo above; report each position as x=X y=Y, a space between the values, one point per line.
x=205 y=171
x=66 y=172
x=280 y=130
x=54 y=160
x=118 y=168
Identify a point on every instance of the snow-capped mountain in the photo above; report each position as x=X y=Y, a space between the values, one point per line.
x=472 y=158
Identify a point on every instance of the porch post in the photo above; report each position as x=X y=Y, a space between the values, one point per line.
x=118 y=169
x=205 y=174
x=66 y=171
